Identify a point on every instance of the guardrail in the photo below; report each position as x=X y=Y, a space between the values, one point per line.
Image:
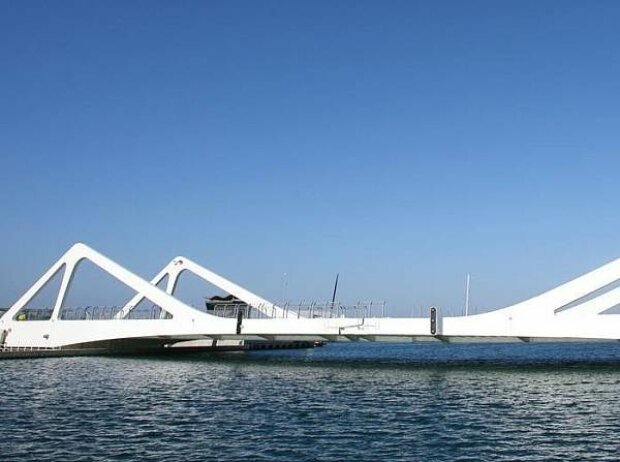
x=102 y=313
x=306 y=310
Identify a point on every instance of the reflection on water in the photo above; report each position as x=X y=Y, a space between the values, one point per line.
x=340 y=402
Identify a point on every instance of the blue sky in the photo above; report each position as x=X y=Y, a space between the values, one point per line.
x=401 y=144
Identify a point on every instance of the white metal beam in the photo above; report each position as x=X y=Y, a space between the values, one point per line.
x=178 y=265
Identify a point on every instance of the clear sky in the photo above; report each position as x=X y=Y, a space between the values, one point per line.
x=400 y=143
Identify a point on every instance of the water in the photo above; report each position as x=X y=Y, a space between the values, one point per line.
x=351 y=402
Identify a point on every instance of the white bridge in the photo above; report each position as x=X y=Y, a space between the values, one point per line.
x=583 y=308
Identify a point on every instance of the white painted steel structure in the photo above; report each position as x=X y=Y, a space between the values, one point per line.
x=171 y=272
x=574 y=310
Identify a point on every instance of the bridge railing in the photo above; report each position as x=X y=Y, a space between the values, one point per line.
x=100 y=313
x=306 y=310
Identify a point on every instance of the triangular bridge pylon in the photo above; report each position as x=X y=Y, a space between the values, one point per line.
x=178 y=265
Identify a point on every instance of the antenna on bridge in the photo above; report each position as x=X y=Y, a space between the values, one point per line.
x=335 y=289
x=467 y=280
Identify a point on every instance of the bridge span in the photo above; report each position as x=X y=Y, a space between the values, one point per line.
x=585 y=308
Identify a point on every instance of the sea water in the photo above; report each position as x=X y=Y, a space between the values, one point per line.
x=342 y=402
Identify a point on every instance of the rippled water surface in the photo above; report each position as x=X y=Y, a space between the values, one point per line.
x=342 y=402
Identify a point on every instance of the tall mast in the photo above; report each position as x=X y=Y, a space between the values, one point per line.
x=467 y=279
x=335 y=289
